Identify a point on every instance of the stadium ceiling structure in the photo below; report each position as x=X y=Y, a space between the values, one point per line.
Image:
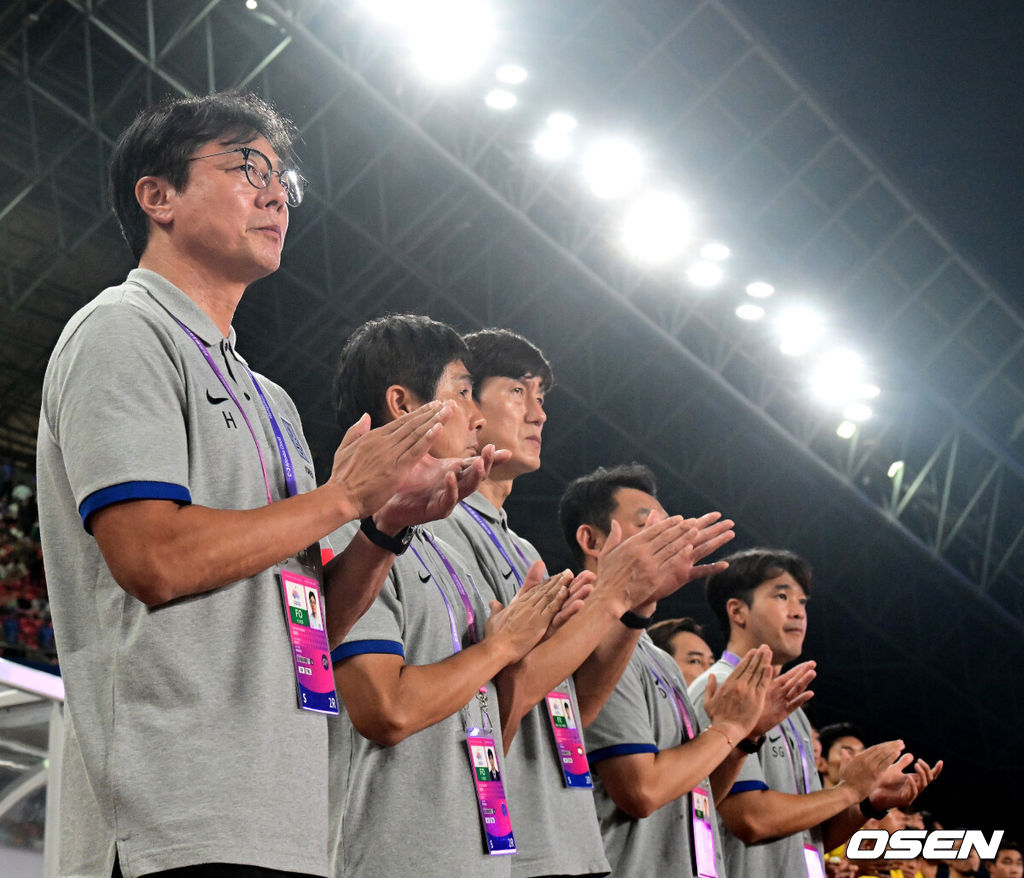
x=423 y=198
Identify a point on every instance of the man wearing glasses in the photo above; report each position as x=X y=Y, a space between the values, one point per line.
x=177 y=497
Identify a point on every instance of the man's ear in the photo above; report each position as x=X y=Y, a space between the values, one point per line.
x=399 y=400
x=591 y=540
x=154 y=195
x=737 y=611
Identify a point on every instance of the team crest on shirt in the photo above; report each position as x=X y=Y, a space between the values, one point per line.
x=294 y=436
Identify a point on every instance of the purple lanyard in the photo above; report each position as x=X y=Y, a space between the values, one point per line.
x=678 y=704
x=282 y=448
x=734 y=660
x=470 y=615
x=497 y=543
x=456 y=644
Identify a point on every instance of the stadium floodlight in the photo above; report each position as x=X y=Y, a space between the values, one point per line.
x=895 y=468
x=760 y=290
x=836 y=376
x=868 y=391
x=552 y=145
x=500 y=99
x=749 y=311
x=657 y=228
x=857 y=411
x=799 y=329
x=704 y=274
x=251 y=4
x=846 y=429
x=613 y=168
x=714 y=251
x=510 y=74
x=448 y=39
x=561 y=122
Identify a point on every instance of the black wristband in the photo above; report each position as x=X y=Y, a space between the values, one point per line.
x=396 y=544
x=870 y=811
x=637 y=622
x=748 y=746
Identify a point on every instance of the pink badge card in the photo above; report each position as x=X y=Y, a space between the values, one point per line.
x=703 y=834
x=490 y=794
x=569 y=741
x=812 y=859
x=314 y=675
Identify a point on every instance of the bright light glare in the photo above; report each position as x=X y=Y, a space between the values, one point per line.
x=857 y=411
x=657 y=228
x=749 y=311
x=837 y=376
x=868 y=391
x=500 y=99
x=798 y=328
x=251 y=4
x=895 y=468
x=760 y=290
x=846 y=430
x=714 y=251
x=448 y=39
x=552 y=145
x=510 y=74
x=612 y=168
x=704 y=274
x=563 y=123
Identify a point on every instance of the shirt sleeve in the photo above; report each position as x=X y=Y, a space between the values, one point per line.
x=624 y=725
x=116 y=406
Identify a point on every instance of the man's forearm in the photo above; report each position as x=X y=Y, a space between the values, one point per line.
x=597 y=677
x=757 y=815
x=352 y=581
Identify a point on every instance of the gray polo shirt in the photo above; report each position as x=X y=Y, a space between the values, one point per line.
x=411 y=809
x=558 y=833
x=784 y=763
x=183 y=740
x=639 y=717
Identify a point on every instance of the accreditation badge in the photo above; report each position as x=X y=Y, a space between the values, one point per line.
x=812 y=859
x=490 y=793
x=307 y=631
x=703 y=834
x=568 y=741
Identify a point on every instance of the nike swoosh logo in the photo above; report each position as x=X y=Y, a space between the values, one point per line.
x=770 y=738
x=215 y=400
x=507 y=575
x=424 y=578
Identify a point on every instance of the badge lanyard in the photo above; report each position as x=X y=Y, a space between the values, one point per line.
x=479 y=519
x=683 y=720
x=286 y=459
x=487 y=782
x=311 y=656
x=812 y=859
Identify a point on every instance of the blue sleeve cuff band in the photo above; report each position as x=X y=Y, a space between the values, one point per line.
x=746 y=786
x=131 y=491
x=619 y=750
x=366 y=647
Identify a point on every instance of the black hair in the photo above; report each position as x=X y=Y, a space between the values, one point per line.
x=746 y=571
x=406 y=349
x=832 y=733
x=590 y=499
x=162 y=138
x=663 y=632
x=506 y=354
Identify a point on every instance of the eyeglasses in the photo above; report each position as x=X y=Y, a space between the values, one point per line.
x=259 y=170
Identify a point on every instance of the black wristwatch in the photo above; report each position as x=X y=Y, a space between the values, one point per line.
x=636 y=621
x=870 y=811
x=748 y=746
x=396 y=544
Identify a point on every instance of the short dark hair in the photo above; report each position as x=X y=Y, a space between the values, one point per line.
x=407 y=349
x=746 y=571
x=832 y=733
x=662 y=632
x=162 y=138
x=506 y=354
x=1006 y=846
x=590 y=499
